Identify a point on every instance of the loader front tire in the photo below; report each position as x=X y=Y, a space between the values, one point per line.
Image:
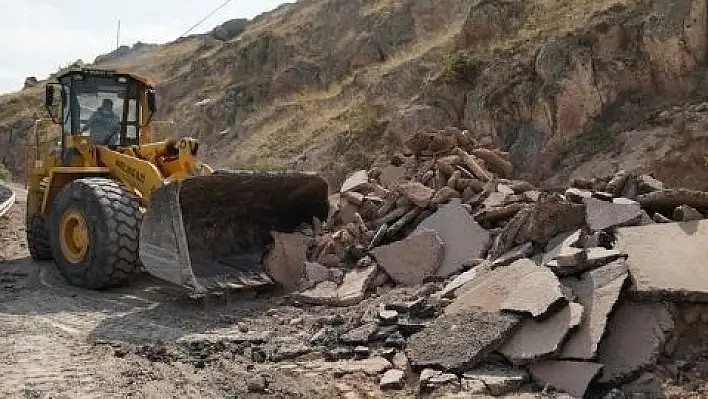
x=94 y=228
x=37 y=238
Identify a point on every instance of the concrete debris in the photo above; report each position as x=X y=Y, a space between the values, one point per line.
x=462 y=237
x=566 y=376
x=568 y=239
x=461 y=340
x=392 y=379
x=360 y=335
x=552 y=215
x=412 y=259
x=284 y=262
x=685 y=213
x=498 y=381
x=538 y=294
x=497 y=271
x=510 y=288
x=357 y=181
x=372 y=366
x=620 y=212
x=597 y=291
x=536 y=340
x=671 y=267
x=635 y=337
x=350 y=292
x=519 y=252
x=417 y=193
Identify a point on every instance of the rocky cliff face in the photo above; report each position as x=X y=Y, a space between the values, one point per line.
x=570 y=88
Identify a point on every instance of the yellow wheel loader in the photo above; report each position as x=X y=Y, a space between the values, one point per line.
x=107 y=201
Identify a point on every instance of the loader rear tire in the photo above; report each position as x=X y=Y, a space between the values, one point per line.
x=95 y=232
x=37 y=235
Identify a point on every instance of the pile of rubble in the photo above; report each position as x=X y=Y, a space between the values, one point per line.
x=554 y=287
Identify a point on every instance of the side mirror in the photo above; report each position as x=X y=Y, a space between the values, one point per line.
x=151 y=101
x=49 y=95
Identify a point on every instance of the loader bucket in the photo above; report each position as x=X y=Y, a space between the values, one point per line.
x=209 y=233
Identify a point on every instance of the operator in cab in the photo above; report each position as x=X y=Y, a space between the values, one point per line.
x=104 y=125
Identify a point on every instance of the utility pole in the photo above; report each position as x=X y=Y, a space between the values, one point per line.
x=118 y=36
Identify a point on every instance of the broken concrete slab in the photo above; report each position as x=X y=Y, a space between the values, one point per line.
x=372 y=366
x=516 y=253
x=460 y=341
x=597 y=291
x=599 y=256
x=313 y=274
x=601 y=215
x=285 y=260
x=498 y=381
x=671 y=267
x=419 y=194
x=360 y=335
x=463 y=279
x=635 y=338
x=539 y=294
x=570 y=377
x=508 y=287
x=536 y=340
x=567 y=239
x=412 y=259
x=647 y=184
x=357 y=181
x=350 y=292
x=392 y=379
x=462 y=236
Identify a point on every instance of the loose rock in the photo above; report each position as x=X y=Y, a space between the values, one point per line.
x=461 y=340
x=602 y=214
x=462 y=236
x=597 y=291
x=635 y=337
x=392 y=379
x=671 y=267
x=411 y=260
x=284 y=262
x=566 y=376
x=536 y=340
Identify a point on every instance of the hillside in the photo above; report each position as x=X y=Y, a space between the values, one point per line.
x=569 y=88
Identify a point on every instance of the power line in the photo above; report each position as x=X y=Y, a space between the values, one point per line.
x=207 y=17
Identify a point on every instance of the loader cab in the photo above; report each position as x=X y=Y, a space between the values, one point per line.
x=108 y=107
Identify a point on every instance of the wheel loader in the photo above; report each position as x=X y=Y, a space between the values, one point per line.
x=106 y=202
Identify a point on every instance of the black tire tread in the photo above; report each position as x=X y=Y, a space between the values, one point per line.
x=38 y=241
x=117 y=258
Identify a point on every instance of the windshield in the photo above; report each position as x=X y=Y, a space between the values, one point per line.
x=103 y=110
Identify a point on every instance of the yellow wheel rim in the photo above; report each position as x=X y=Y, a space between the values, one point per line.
x=74 y=236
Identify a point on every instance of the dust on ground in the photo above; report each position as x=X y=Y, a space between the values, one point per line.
x=149 y=340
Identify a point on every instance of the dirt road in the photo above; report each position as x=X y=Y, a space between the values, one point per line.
x=148 y=340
